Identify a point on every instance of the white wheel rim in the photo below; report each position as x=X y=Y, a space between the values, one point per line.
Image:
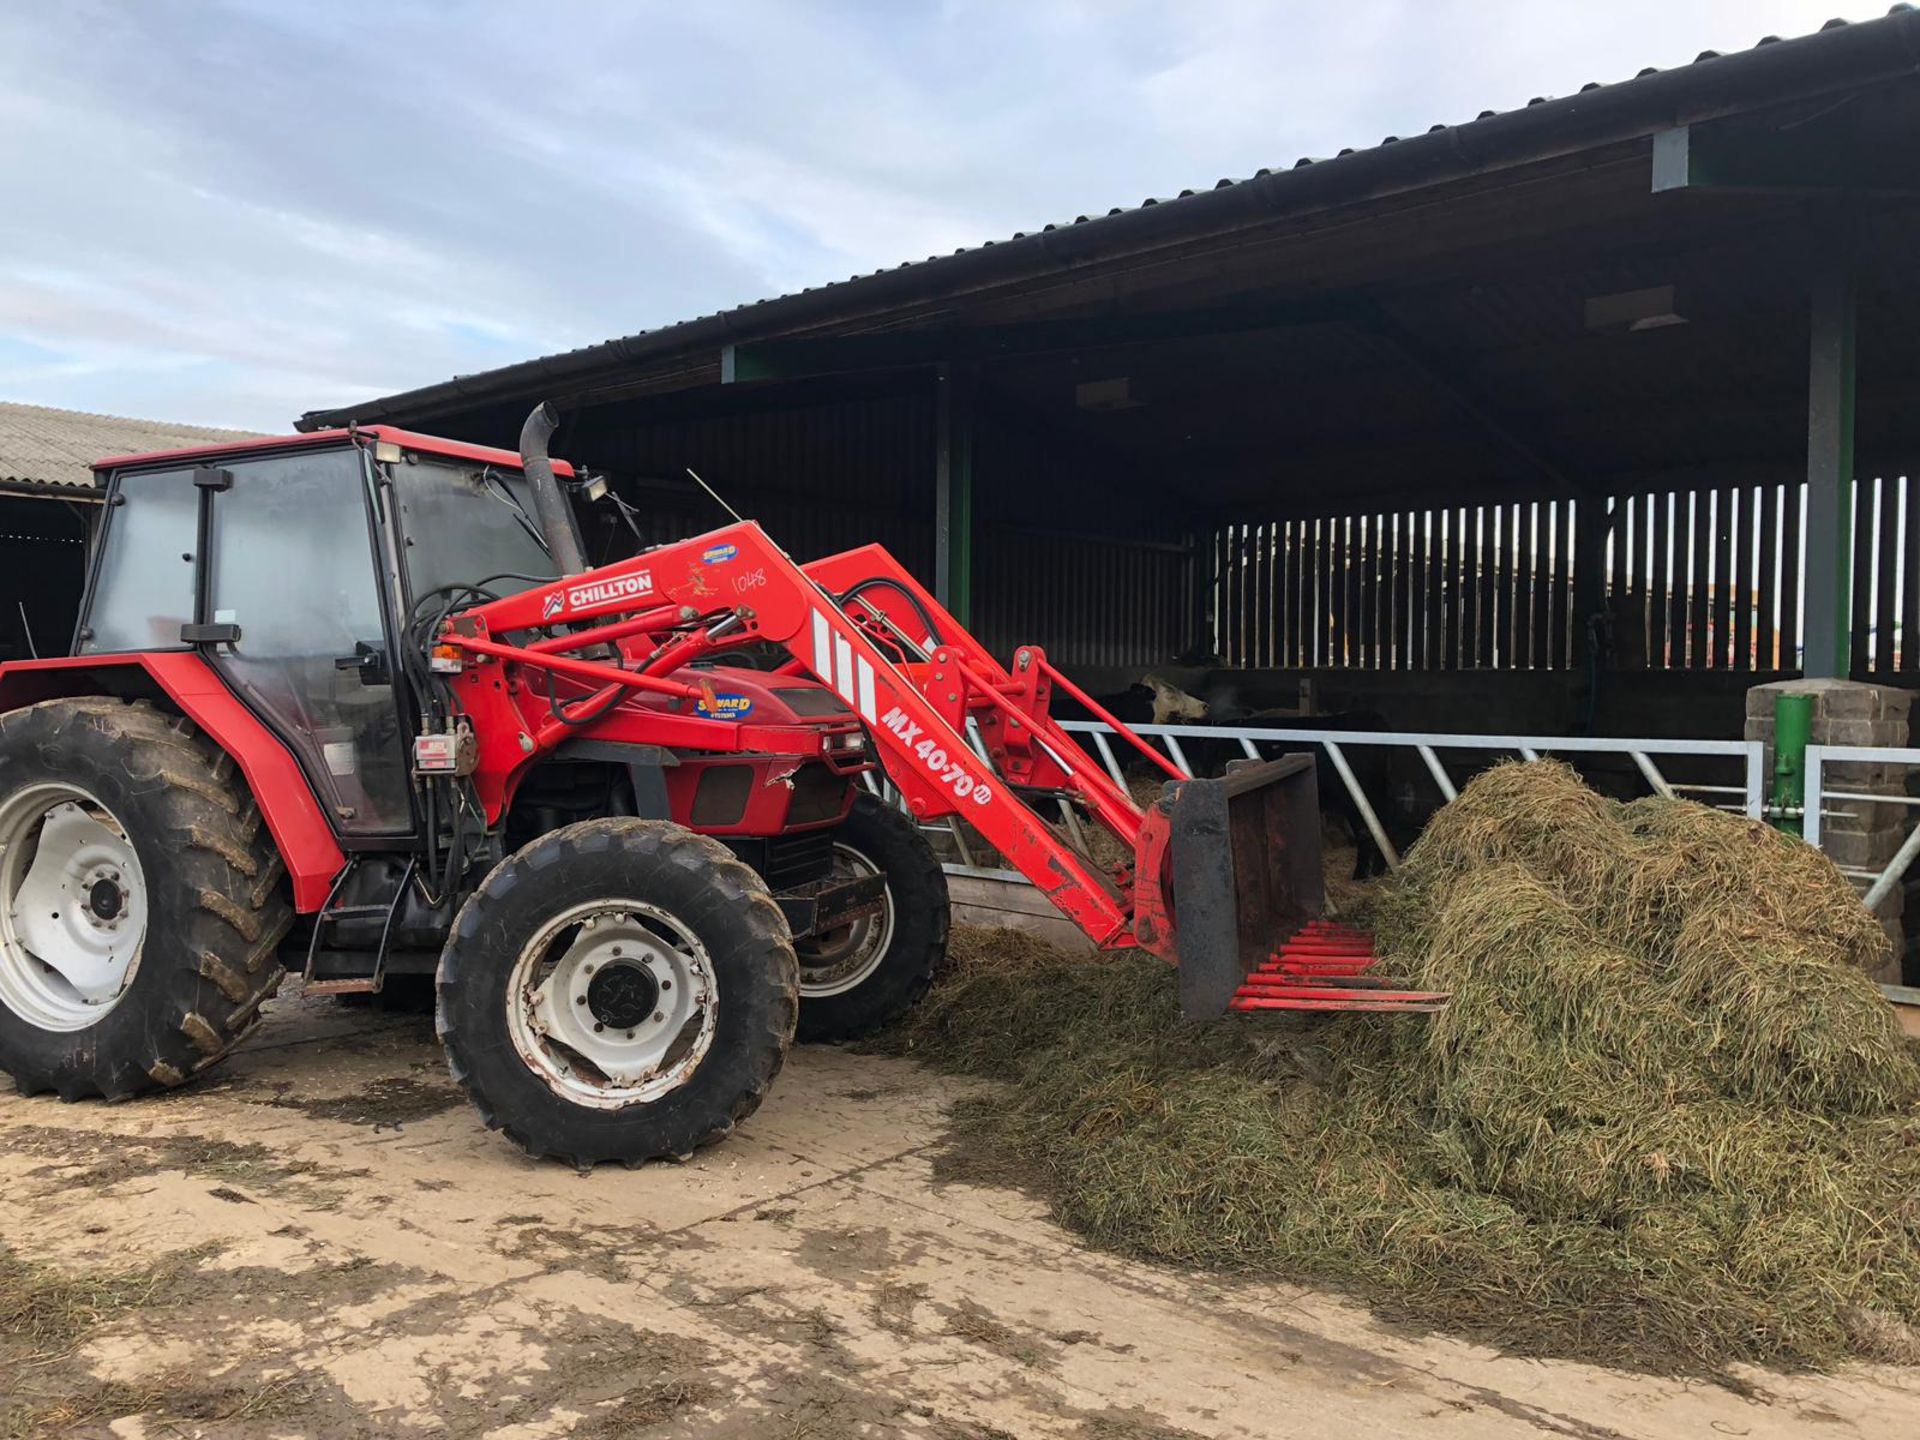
x=613 y=1003
x=73 y=907
x=842 y=959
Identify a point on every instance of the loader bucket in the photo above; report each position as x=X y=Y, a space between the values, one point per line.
x=1243 y=857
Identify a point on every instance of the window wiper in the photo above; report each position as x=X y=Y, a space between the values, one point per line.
x=498 y=488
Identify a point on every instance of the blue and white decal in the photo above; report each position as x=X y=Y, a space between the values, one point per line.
x=718 y=554
x=725 y=707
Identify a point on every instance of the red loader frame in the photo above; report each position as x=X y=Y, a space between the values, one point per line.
x=1240 y=854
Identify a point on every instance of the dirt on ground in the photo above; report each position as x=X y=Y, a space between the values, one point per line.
x=322 y=1241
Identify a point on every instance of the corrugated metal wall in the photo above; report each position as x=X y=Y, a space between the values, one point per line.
x=1072 y=549
x=821 y=478
x=1086 y=600
x=43 y=549
x=831 y=476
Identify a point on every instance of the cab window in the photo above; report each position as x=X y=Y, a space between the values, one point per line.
x=292 y=567
x=143 y=589
x=468 y=524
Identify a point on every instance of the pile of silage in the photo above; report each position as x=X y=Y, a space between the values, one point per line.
x=1666 y=1121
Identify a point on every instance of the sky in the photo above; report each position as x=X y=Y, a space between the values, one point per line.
x=227 y=212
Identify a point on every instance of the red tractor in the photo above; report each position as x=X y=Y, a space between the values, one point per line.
x=351 y=703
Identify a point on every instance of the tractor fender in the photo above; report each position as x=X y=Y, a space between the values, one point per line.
x=294 y=817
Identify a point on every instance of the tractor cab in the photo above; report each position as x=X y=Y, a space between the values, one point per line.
x=311 y=573
x=293 y=567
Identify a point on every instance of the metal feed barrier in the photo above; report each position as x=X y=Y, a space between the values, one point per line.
x=1745 y=756
x=1881 y=882
x=1751 y=794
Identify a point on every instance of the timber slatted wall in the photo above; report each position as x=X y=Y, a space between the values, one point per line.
x=1486 y=586
x=1708 y=578
x=1703 y=578
x=1886 y=575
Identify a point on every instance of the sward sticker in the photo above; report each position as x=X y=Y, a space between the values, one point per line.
x=725 y=707
x=718 y=554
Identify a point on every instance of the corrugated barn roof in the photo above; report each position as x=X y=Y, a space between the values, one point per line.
x=56 y=448
x=1841 y=55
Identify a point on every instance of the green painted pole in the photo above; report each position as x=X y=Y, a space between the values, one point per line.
x=953 y=491
x=1792 y=727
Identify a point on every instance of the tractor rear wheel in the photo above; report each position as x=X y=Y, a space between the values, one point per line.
x=141 y=903
x=618 y=990
x=865 y=975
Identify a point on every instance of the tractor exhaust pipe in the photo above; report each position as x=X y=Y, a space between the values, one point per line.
x=549 y=504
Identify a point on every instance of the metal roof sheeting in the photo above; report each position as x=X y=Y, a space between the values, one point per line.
x=1840 y=55
x=56 y=448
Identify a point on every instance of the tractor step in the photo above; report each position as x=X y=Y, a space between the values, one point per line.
x=345 y=985
x=1323 y=966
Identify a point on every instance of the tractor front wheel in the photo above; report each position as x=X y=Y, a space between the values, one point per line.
x=141 y=900
x=620 y=989
x=864 y=975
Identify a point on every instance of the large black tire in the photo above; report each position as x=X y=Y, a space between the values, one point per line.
x=216 y=906
x=703 y=888
x=882 y=839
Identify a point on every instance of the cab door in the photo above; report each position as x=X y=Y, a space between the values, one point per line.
x=291 y=579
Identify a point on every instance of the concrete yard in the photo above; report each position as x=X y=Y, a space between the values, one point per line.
x=327 y=1243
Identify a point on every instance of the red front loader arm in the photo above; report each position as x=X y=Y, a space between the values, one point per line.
x=960 y=734
x=667 y=607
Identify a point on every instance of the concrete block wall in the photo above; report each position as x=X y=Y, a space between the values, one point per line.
x=1856 y=834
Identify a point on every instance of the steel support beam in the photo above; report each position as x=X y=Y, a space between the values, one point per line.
x=953 y=491
x=1828 y=632
x=1823 y=156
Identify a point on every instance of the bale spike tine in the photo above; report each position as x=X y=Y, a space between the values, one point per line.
x=1323 y=966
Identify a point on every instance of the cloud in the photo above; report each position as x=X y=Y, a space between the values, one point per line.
x=231 y=212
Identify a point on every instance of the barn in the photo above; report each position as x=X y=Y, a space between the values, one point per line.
x=1579 y=418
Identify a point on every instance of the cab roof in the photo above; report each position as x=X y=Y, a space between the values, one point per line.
x=405 y=439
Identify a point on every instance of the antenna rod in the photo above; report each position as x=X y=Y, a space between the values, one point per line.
x=716 y=495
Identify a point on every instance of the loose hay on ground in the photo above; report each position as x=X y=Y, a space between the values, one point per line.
x=1666 y=1120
